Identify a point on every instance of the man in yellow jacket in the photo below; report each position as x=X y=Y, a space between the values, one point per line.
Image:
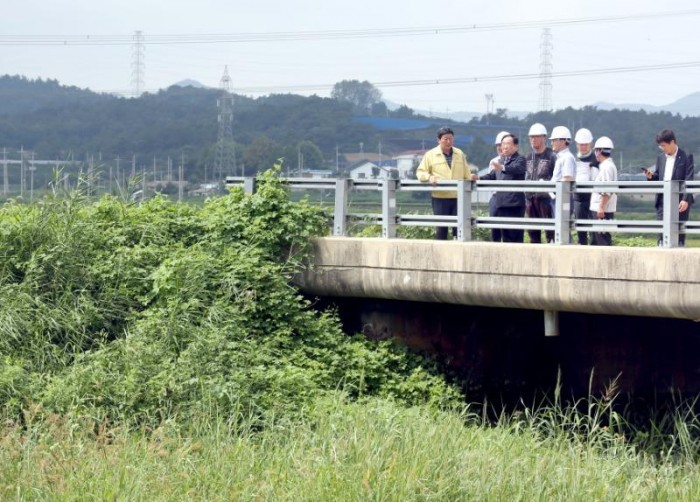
x=444 y=162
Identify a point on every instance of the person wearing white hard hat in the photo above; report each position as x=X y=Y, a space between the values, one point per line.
x=539 y=166
x=496 y=233
x=603 y=204
x=565 y=166
x=508 y=204
x=672 y=164
x=586 y=170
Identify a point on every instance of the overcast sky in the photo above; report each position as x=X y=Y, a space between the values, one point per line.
x=404 y=47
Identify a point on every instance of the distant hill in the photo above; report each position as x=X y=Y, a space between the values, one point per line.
x=55 y=121
x=188 y=82
x=19 y=95
x=688 y=106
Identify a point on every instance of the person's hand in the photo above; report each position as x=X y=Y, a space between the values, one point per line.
x=683 y=206
x=648 y=173
x=474 y=177
x=600 y=213
x=433 y=179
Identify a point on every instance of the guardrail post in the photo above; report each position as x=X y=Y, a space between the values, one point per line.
x=340 y=212
x=669 y=238
x=562 y=213
x=389 y=208
x=464 y=210
x=249 y=185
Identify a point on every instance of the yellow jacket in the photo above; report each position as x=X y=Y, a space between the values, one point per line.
x=434 y=163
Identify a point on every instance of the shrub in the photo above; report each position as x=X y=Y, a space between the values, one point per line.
x=139 y=313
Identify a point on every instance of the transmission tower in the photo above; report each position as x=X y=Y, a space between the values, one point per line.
x=489 y=106
x=224 y=143
x=545 y=104
x=138 y=64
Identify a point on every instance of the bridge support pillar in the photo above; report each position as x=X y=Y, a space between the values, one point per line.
x=551 y=323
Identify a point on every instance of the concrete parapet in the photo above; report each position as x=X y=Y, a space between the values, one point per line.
x=607 y=280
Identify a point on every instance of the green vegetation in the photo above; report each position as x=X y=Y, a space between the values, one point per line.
x=145 y=313
x=157 y=351
x=338 y=449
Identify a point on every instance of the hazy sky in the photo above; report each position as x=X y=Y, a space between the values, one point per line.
x=473 y=48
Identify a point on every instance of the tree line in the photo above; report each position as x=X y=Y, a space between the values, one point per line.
x=61 y=122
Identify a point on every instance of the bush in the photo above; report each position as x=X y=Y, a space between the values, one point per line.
x=141 y=313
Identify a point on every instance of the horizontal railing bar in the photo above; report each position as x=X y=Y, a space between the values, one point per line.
x=562 y=222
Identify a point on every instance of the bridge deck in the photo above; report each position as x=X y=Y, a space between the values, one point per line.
x=608 y=280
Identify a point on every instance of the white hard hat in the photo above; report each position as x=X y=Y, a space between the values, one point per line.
x=500 y=136
x=604 y=143
x=560 y=132
x=583 y=136
x=537 y=129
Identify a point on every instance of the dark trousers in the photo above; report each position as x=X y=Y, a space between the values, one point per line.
x=510 y=234
x=496 y=233
x=444 y=207
x=582 y=211
x=539 y=207
x=601 y=238
x=681 y=217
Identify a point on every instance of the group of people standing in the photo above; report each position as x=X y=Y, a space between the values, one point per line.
x=592 y=162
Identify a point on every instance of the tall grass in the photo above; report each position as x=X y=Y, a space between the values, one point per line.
x=337 y=450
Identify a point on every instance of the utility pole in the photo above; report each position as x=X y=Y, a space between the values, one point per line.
x=32 y=168
x=118 y=171
x=179 y=185
x=21 y=171
x=5 y=181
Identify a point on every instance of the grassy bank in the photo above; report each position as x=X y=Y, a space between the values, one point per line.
x=339 y=450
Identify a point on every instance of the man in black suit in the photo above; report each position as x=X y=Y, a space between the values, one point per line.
x=672 y=164
x=511 y=166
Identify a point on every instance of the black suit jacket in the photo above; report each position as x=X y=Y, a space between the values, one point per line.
x=514 y=169
x=683 y=169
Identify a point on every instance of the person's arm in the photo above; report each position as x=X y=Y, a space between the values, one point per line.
x=603 y=203
x=491 y=175
x=467 y=169
x=424 y=171
x=517 y=167
x=570 y=166
x=687 y=199
x=653 y=175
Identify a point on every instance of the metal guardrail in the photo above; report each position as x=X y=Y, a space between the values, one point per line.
x=562 y=224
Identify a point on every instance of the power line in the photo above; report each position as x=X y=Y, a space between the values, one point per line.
x=488 y=78
x=214 y=38
x=460 y=80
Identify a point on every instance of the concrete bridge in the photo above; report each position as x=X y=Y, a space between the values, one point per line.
x=631 y=281
x=609 y=313
x=626 y=313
